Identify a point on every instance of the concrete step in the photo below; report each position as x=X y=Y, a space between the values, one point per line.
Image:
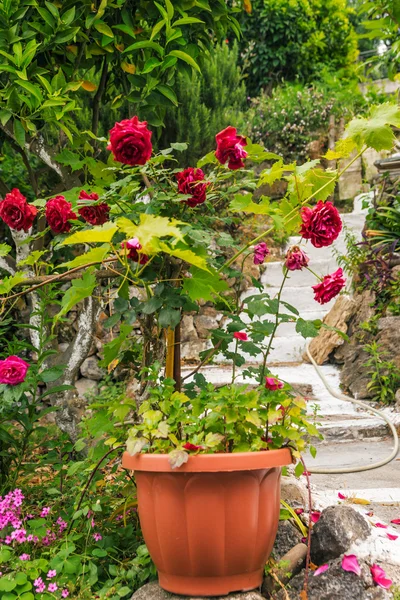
x=339 y=428
x=273 y=273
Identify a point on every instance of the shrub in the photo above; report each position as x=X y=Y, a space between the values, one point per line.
x=293 y=39
x=207 y=104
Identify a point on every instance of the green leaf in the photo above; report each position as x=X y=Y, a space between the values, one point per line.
x=52 y=374
x=150 y=229
x=185 y=254
x=306 y=328
x=203 y=285
x=244 y=203
x=19 y=133
x=124 y=591
x=157 y=28
x=79 y=290
x=299 y=469
x=179 y=146
x=207 y=159
x=186 y=58
x=4 y=249
x=169 y=93
x=99 y=234
x=169 y=317
x=150 y=64
x=186 y=21
x=375 y=131
x=103 y=28
x=8 y=283
x=170 y=8
x=145 y=44
x=32 y=89
x=5 y=555
x=94 y=255
x=69 y=158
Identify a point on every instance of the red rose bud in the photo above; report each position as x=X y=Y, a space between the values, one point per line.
x=329 y=287
x=189 y=183
x=241 y=335
x=273 y=384
x=134 y=246
x=321 y=224
x=261 y=251
x=192 y=447
x=130 y=142
x=13 y=370
x=230 y=148
x=95 y=215
x=16 y=212
x=58 y=214
x=296 y=259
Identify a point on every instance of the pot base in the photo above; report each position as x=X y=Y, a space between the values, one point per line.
x=210 y=586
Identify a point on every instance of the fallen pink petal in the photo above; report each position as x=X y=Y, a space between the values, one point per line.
x=392 y=537
x=381 y=525
x=315 y=516
x=299 y=511
x=370 y=514
x=379 y=577
x=321 y=570
x=342 y=496
x=395 y=521
x=350 y=563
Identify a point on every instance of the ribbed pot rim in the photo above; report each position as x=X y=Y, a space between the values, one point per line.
x=210 y=463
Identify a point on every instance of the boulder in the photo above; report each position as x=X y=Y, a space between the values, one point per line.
x=294 y=491
x=289 y=565
x=188 y=331
x=84 y=386
x=190 y=351
x=327 y=340
x=205 y=323
x=91 y=370
x=337 y=528
x=335 y=584
x=397 y=399
x=389 y=338
x=287 y=537
x=152 y=591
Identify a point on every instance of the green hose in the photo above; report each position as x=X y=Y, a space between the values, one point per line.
x=338 y=470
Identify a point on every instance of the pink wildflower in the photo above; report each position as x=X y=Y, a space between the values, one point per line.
x=64 y=593
x=97 y=537
x=25 y=557
x=45 y=511
x=52 y=587
x=52 y=573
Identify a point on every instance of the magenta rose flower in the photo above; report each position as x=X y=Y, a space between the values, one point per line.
x=241 y=335
x=230 y=148
x=130 y=142
x=329 y=287
x=261 y=251
x=189 y=182
x=134 y=247
x=95 y=215
x=16 y=212
x=296 y=259
x=13 y=370
x=321 y=224
x=273 y=384
x=58 y=214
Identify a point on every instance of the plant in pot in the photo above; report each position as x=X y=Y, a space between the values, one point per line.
x=150 y=243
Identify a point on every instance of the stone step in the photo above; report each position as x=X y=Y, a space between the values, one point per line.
x=301 y=298
x=273 y=273
x=338 y=429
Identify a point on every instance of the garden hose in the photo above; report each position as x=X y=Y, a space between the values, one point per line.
x=339 y=470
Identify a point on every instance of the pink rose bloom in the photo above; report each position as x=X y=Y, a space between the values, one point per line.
x=230 y=148
x=261 y=251
x=321 y=224
x=273 y=384
x=191 y=181
x=13 y=370
x=241 y=335
x=130 y=142
x=134 y=247
x=329 y=287
x=296 y=259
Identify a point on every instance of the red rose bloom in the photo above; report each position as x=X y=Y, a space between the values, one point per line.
x=192 y=447
x=241 y=335
x=130 y=142
x=321 y=224
x=230 y=148
x=134 y=246
x=296 y=259
x=16 y=212
x=58 y=214
x=329 y=287
x=13 y=370
x=188 y=183
x=273 y=384
x=95 y=215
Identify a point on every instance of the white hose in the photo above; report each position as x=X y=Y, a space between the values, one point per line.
x=385 y=461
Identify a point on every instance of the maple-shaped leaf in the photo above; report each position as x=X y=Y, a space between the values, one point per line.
x=375 y=131
x=177 y=458
x=99 y=234
x=135 y=445
x=203 y=285
x=150 y=229
x=244 y=203
x=185 y=253
x=277 y=171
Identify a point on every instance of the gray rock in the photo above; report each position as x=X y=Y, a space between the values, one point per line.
x=91 y=370
x=397 y=399
x=287 y=537
x=337 y=528
x=152 y=591
x=204 y=324
x=294 y=491
x=335 y=584
x=190 y=351
x=188 y=331
x=83 y=386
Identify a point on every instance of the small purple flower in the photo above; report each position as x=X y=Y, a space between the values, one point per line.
x=52 y=587
x=52 y=573
x=45 y=511
x=25 y=557
x=64 y=594
x=97 y=537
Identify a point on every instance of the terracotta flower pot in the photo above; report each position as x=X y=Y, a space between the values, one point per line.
x=209 y=525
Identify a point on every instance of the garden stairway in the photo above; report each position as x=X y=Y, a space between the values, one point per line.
x=289 y=345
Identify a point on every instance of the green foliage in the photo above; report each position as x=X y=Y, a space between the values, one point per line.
x=207 y=104
x=295 y=39
x=295 y=115
x=384 y=374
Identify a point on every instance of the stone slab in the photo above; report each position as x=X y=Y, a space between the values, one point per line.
x=152 y=591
